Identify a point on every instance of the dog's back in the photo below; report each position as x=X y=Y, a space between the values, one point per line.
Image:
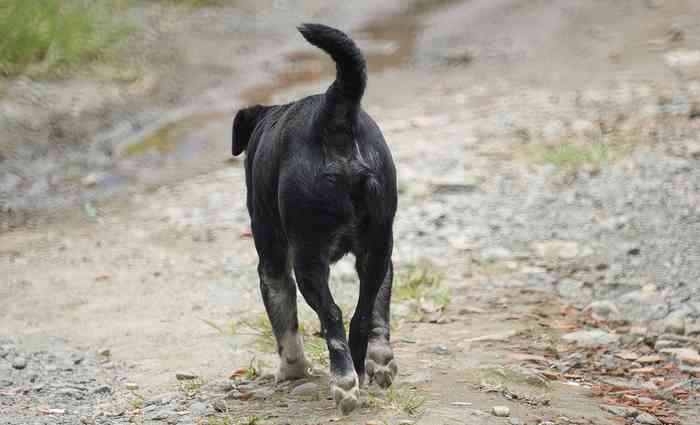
x=321 y=162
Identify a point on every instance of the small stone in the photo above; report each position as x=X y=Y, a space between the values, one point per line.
x=625 y=412
x=131 y=386
x=500 y=411
x=604 y=309
x=650 y=359
x=373 y=422
x=591 y=338
x=102 y=389
x=692 y=328
x=675 y=324
x=104 y=352
x=663 y=344
x=556 y=249
x=218 y=386
x=198 y=409
x=185 y=376
x=647 y=419
x=440 y=350
x=263 y=393
x=220 y=405
x=19 y=362
x=461 y=403
x=77 y=358
x=304 y=389
x=515 y=421
x=405 y=422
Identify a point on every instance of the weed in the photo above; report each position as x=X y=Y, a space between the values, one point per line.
x=259 y=327
x=254 y=369
x=317 y=350
x=137 y=403
x=47 y=36
x=574 y=154
x=191 y=386
x=225 y=420
x=404 y=400
x=418 y=279
x=422 y=285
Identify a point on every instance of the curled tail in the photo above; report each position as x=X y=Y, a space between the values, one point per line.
x=344 y=95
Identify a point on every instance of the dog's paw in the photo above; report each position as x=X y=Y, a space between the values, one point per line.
x=300 y=368
x=380 y=365
x=346 y=392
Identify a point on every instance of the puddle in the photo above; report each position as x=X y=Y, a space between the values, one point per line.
x=386 y=44
x=173 y=137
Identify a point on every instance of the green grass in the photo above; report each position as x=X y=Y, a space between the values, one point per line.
x=404 y=399
x=137 y=402
x=416 y=281
x=48 y=36
x=570 y=154
x=191 y=387
x=421 y=284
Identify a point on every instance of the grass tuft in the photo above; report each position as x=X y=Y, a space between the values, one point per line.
x=421 y=284
x=405 y=400
x=572 y=154
x=191 y=387
x=47 y=36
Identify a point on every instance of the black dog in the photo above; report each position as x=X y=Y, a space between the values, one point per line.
x=321 y=183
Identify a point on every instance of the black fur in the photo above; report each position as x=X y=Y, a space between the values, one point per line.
x=321 y=183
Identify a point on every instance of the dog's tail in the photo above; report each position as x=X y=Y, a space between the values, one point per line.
x=344 y=95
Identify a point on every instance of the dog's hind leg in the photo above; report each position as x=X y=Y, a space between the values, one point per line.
x=312 y=277
x=279 y=296
x=369 y=329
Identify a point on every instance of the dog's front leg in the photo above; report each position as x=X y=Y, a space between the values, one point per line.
x=312 y=277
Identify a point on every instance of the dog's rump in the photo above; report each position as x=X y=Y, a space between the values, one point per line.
x=342 y=99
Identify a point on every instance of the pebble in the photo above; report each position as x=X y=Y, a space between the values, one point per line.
x=604 y=309
x=500 y=411
x=131 y=386
x=304 y=389
x=405 y=422
x=556 y=249
x=675 y=324
x=373 y=422
x=515 y=421
x=663 y=344
x=103 y=389
x=440 y=350
x=647 y=419
x=185 y=376
x=19 y=362
x=218 y=386
x=104 y=352
x=625 y=412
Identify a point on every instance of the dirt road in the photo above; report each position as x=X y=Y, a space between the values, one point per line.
x=548 y=166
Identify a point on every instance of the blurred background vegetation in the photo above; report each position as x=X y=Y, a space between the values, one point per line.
x=44 y=37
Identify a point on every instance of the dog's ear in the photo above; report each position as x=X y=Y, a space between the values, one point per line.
x=243 y=126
